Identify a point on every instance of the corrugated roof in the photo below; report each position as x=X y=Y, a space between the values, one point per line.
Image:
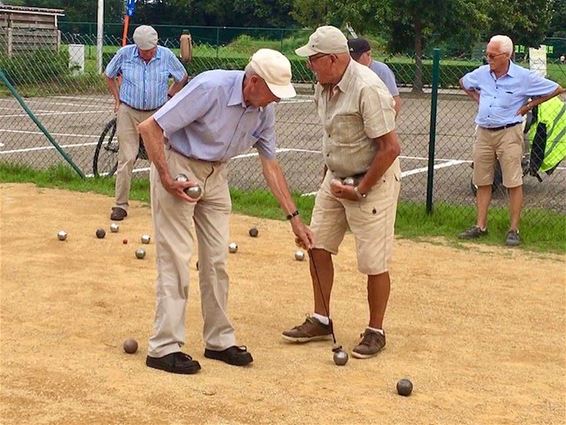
x=31 y=10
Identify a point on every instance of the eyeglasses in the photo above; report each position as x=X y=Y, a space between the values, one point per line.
x=316 y=57
x=492 y=56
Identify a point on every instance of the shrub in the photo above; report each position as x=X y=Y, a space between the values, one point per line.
x=37 y=66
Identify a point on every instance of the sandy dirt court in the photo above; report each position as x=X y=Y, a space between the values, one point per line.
x=480 y=331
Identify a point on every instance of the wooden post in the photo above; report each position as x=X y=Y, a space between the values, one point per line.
x=9 y=41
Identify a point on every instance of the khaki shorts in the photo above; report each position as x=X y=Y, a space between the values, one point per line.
x=371 y=221
x=504 y=145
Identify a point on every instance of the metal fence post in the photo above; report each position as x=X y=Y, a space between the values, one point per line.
x=432 y=131
x=39 y=124
x=217 y=40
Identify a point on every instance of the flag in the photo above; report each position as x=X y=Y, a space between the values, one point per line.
x=130 y=7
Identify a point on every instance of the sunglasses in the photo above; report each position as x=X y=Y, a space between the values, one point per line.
x=491 y=56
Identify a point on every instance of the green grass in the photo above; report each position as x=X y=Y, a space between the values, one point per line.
x=546 y=235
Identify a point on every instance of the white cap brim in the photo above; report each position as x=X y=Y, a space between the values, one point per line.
x=282 y=92
x=305 y=51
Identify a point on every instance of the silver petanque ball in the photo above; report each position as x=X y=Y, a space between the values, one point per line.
x=340 y=357
x=140 y=253
x=145 y=239
x=233 y=247
x=193 y=192
x=114 y=227
x=299 y=255
x=349 y=181
x=181 y=178
x=62 y=235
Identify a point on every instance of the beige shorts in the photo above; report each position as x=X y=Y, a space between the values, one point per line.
x=371 y=221
x=504 y=145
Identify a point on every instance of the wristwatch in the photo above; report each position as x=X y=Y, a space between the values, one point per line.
x=359 y=194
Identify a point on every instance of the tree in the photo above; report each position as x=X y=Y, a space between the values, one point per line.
x=311 y=13
x=525 y=21
x=411 y=24
x=557 y=26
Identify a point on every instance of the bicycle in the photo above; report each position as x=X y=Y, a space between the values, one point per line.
x=105 y=161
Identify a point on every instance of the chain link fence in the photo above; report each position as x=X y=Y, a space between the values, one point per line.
x=65 y=92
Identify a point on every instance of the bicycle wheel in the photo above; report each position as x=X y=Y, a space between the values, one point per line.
x=105 y=160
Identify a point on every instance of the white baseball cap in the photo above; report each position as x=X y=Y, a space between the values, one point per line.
x=145 y=37
x=275 y=69
x=326 y=39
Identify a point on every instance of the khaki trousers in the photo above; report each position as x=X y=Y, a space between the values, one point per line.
x=173 y=221
x=128 y=140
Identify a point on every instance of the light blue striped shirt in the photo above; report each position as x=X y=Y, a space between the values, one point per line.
x=144 y=85
x=501 y=98
x=209 y=120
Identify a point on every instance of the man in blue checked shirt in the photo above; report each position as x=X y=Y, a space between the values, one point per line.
x=502 y=90
x=218 y=115
x=145 y=69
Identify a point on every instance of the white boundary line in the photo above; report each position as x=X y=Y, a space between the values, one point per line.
x=47 y=103
x=44 y=114
x=48 y=148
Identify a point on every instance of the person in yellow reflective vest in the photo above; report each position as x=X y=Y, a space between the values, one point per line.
x=547 y=136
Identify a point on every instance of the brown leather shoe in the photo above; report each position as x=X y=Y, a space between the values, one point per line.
x=118 y=214
x=371 y=343
x=311 y=330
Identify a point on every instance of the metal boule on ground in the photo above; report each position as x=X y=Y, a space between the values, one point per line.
x=130 y=346
x=404 y=387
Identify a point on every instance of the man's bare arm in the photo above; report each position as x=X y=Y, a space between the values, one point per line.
x=113 y=87
x=278 y=185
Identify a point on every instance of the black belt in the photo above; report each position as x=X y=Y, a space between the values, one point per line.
x=503 y=127
x=139 y=110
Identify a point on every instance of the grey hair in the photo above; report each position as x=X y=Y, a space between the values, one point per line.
x=249 y=70
x=505 y=43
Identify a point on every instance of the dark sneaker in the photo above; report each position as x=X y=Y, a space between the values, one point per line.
x=175 y=363
x=118 y=214
x=513 y=238
x=473 y=232
x=311 y=330
x=371 y=343
x=234 y=355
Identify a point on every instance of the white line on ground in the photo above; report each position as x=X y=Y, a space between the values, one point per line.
x=49 y=103
x=47 y=148
x=135 y=170
x=43 y=114
x=436 y=167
